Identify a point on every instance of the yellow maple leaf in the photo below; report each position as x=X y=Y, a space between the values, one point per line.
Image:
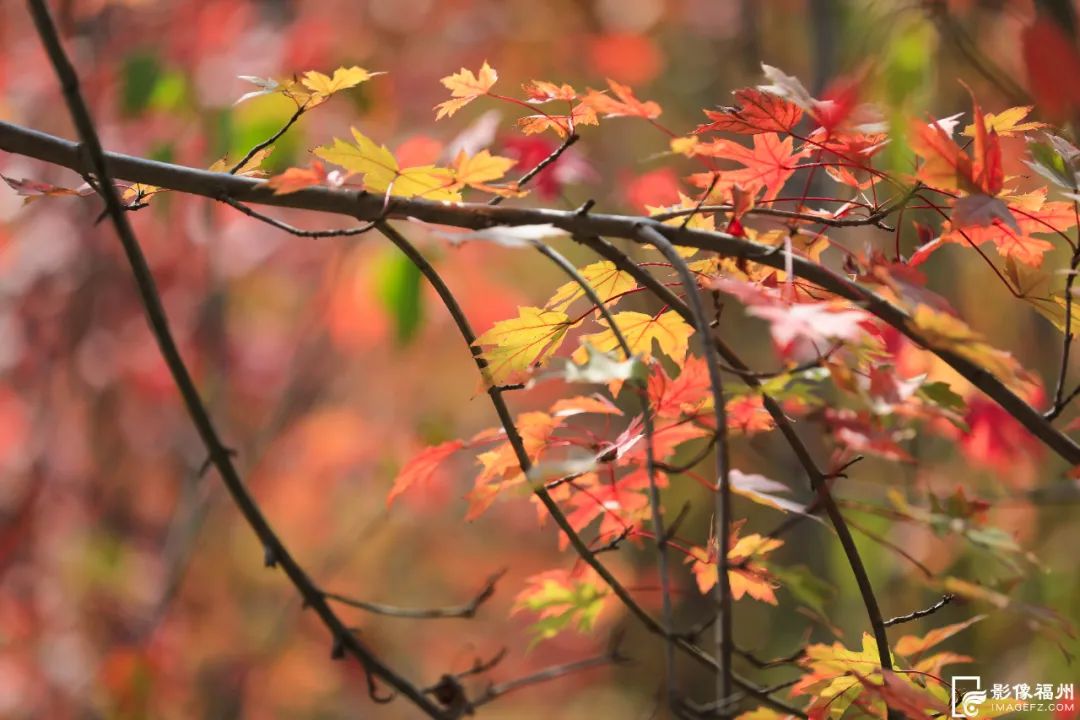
x=606 y=279
x=698 y=220
x=465 y=87
x=344 y=78
x=511 y=347
x=1007 y=122
x=668 y=329
x=580 y=114
x=744 y=576
x=382 y=173
x=913 y=645
x=945 y=332
x=251 y=168
x=483 y=168
x=684 y=145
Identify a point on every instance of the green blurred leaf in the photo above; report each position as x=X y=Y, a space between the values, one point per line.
x=807 y=587
x=1048 y=162
x=942 y=395
x=139 y=77
x=398 y=286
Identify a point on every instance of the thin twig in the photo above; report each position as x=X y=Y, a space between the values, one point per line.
x=1060 y=403
x=525 y=179
x=610 y=657
x=945 y=600
x=300 y=110
x=467 y=610
x=275 y=551
x=293 y=230
x=757 y=662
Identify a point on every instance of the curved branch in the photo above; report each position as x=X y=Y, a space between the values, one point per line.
x=467 y=610
x=722 y=510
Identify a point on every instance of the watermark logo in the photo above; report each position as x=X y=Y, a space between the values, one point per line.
x=967 y=696
x=969 y=699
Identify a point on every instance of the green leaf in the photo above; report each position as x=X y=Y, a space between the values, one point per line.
x=139 y=77
x=942 y=395
x=1049 y=163
x=398 y=287
x=807 y=587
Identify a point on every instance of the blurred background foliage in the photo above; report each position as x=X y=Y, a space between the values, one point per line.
x=130 y=587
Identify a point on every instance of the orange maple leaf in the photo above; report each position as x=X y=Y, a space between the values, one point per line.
x=465 y=87
x=758 y=112
x=296 y=178
x=768 y=164
x=625 y=106
x=422 y=467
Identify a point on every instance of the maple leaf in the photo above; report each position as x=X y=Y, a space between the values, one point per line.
x=296 y=178
x=1016 y=240
x=267 y=86
x=251 y=168
x=835 y=675
x=745 y=576
x=1007 y=122
x=899 y=693
x=668 y=329
x=912 y=645
x=945 y=166
x=615 y=503
x=596 y=404
x=762 y=490
x=763 y=713
x=465 y=87
x=747 y=415
x=483 y=168
x=561 y=599
x=422 y=467
x=562 y=125
x=686 y=394
x=541 y=91
x=757 y=112
x=851 y=149
x=946 y=332
x=314 y=87
x=606 y=280
x=768 y=164
x=343 y=78
x=801 y=326
x=861 y=432
x=626 y=105
x=512 y=347
x=382 y=173
x=32 y=189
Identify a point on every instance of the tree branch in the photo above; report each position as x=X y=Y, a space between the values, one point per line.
x=945 y=600
x=468 y=610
